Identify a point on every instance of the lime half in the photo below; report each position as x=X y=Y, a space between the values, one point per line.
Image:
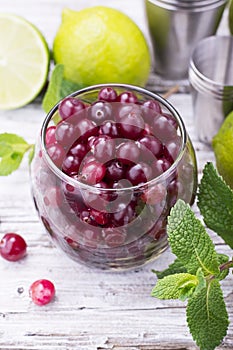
x=24 y=61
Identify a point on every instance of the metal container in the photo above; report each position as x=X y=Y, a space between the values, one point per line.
x=211 y=81
x=175 y=27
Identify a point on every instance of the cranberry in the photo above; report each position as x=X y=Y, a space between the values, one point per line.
x=154 y=195
x=103 y=148
x=127 y=97
x=152 y=143
x=56 y=153
x=107 y=94
x=128 y=152
x=12 y=247
x=100 y=111
x=86 y=129
x=131 y=126
x=139 y=173
x=163 y=128
x=93 y=172
x=70 y=106
x=114 y=170
x=109 y=128
x=42 y=292
x=66 y=134
x=50 y=135
x=160 y=165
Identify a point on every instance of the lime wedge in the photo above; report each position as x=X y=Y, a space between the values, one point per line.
x=24 y=61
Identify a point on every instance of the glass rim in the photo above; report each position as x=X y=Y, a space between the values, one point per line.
x=143 y=91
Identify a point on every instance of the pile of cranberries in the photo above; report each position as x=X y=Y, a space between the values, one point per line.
x=114 y=150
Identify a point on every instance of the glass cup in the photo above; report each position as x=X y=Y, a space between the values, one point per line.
x=105 y=177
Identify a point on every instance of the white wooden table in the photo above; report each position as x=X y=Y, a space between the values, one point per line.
x=93 y=310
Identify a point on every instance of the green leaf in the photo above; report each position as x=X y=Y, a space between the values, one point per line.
x=68 y=87
x=207 y=316
x=10 y=163
x=215 y=201
x=180 y=285
x=5 y=149
x=190 y=242
x=175 y=267
x=12 y=139
x=52 y=95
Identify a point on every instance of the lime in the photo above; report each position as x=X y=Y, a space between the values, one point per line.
x=24 y=61
x=230 y=17
x=101 y=45
x=223 y=149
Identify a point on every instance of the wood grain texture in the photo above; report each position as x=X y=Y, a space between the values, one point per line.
x=93 y=310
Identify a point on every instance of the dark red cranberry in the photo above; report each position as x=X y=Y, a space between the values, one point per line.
x=100 y=111
x=128 y=152
x=114 y=170
x=86 y=128
x=107 y=94
x=103 y=148
x=42 y=292
x=131 y=126
x=92 y=172
x=152 y=143
x=12 y=247
x=78 y=150
x=160 y=165
x=71 y=164
x=66 y=134
x=150 y=109
x=109 y=128
x=139 y=173
x=50 y=135
x=173 y=147
x=163 y=128
x=70 y=106
x=123 y=215
x=127 y=97
x=100 y=217
x=56 y=153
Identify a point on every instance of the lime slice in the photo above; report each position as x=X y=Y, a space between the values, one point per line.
x=24 y=61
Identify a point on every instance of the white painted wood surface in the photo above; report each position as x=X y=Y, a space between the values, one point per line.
x=93 y=310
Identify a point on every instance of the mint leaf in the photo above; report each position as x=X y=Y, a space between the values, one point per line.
x=215 y=201
x=52 y=95
x=58 y=88
x=190 y=242
x=68 y=87
x=177 y=286
x=12 y=149
x=10 y=163
x=207 y=316
x=175 y=267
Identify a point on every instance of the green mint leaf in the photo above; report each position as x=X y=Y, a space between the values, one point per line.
x=175 y=267
x=12 y=149
x=52 y=95
x=201 y=280
x=68 y=87
x=5 y=149
x=10 y=163
x=177 y=286
x=190 y=242
x=215 y=201
x=207 y=316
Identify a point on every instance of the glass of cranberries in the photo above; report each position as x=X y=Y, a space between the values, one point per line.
x=110 y=162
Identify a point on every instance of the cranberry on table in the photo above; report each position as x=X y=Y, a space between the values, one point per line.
x=42 y=292
x=12 y=247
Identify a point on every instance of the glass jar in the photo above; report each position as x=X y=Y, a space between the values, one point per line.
x=105 y=177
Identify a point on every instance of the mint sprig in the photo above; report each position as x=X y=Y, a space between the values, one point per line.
x=196 y=273
x=12 y=150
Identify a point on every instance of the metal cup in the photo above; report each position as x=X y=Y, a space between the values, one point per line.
x=211 y=83
x=175 y=27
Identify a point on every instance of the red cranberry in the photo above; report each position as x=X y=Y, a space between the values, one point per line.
x=128 y=152
x=70 y=106
x=127 y=97
x=93 y=172
x=131 y=126
x=107 y=94
x=12 y=247
x=100 y=111
x=50 y=135
x=42 y=292
x=152 y=143
x=56 y=153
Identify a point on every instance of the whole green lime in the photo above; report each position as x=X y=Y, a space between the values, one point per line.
x=101 y=45
x=223 y=149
